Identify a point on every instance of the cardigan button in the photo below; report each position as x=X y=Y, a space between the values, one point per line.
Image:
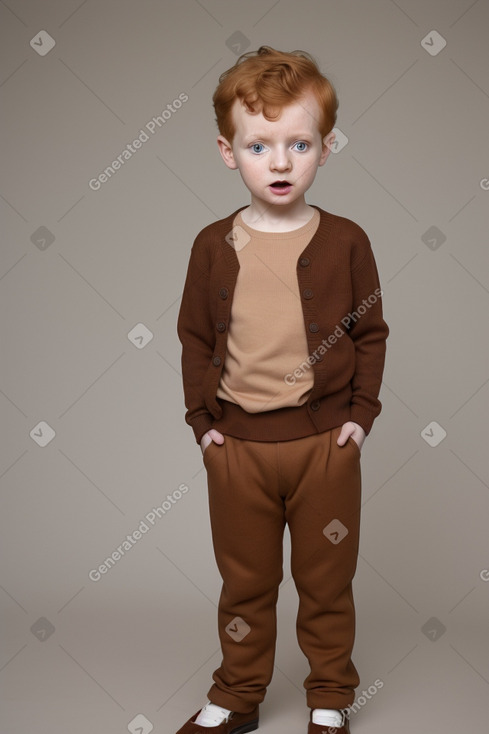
x=307 y=293
x=315 y=405
x=221 y=326
x=313 y=327
x=304 y=262
x=216 y=361
x=223 y=292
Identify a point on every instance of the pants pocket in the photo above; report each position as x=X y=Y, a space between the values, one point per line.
x=356 y=447
x=213 y=446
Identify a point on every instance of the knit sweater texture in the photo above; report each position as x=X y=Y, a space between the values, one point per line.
x=340 y=298
x=260 y=350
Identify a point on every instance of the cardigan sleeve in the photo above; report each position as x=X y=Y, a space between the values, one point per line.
x=194 y=329
x=369 y=332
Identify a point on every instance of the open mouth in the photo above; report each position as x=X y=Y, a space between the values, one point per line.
x=280 y=184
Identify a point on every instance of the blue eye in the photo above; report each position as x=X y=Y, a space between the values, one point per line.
x=301 y=146
x=259 y=146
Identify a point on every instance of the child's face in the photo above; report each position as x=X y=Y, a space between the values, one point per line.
x=288 y=149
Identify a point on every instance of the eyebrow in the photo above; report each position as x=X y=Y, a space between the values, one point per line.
x=257 y=136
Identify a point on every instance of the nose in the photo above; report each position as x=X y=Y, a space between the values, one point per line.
x=279 y=160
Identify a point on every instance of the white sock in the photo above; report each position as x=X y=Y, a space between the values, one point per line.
x=212 y=715
x=327 y=717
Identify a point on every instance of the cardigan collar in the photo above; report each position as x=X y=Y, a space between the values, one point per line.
x=318 y=241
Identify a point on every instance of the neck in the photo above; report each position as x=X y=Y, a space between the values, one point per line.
x=269 y=217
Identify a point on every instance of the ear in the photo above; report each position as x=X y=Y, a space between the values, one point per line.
x=226 y=151
x=328 y=140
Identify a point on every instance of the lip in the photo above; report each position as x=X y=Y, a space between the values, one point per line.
x=282 y=191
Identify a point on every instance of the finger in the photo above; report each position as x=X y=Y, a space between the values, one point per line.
x=343 y=437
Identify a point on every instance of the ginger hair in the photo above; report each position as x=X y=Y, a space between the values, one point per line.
x=268 y=80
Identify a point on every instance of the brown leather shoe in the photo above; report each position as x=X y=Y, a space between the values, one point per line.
x=326 y=729
x=236 y=724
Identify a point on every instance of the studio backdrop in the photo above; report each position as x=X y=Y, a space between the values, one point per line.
x=110 y=168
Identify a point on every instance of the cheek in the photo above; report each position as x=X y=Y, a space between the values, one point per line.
x=251 y=168
x=308 y=169
x=245 y=171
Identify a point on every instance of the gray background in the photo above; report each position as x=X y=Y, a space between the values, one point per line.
x=136 y=649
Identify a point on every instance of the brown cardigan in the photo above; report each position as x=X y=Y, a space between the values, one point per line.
x=346 y=334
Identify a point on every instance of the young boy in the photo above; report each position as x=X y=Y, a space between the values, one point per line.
x=283 y=347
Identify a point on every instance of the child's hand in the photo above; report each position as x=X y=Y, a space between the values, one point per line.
x=209 y=437
x=355 y=431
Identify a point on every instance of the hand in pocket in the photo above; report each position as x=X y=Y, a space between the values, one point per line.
x=209 y=437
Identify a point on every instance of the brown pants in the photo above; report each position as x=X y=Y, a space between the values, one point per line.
x=254 y=488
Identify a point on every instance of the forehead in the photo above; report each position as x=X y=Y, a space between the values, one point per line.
x=302 y=115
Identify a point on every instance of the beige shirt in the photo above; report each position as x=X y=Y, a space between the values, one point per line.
x=267 y=338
